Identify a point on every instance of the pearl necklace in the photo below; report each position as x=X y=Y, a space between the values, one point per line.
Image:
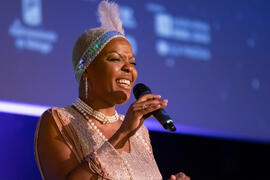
x=96 y=114
x=85 y=113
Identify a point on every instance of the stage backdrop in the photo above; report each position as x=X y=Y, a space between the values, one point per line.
x=210 y=59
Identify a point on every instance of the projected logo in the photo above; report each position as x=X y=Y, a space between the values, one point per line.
x=180 y=36
x=32 y=12
x=193 y=32
x=29 y=37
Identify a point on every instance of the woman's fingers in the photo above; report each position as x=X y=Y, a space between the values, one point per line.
x=148 y=104
x=182 y=176
x=141 y=110
x=173 y=177
x=148 y=97
x=148 y=109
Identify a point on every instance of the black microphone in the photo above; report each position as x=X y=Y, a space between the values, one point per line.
x=161 y=115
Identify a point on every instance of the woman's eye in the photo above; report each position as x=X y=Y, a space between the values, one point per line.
x=114 y=59
x=133 y=63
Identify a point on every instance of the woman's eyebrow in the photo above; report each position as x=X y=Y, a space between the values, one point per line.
x=120 y=54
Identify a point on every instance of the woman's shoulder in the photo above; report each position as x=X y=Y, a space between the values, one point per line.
x=48 y=118
x=53 y=110
x=58 y=113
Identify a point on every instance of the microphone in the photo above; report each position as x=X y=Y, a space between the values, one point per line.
x=161 y=115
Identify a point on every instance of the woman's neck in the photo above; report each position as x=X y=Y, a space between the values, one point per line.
x=99 y=105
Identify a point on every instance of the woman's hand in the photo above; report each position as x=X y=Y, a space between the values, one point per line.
x=139 y=111
x=179 y=176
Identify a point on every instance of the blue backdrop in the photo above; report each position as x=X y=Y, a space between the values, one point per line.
x=210 y=59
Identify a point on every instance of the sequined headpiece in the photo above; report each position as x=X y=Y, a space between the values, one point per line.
x=110 y=21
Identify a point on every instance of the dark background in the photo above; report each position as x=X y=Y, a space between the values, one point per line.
x=210 y=158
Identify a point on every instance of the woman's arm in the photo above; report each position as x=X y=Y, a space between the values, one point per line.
x=56 y=158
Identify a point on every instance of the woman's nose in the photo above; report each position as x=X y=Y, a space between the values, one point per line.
x=127 y=67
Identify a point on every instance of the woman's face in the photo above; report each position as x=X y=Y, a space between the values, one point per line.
x=112 y=73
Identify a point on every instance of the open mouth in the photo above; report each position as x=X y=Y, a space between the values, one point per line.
x=125 y=83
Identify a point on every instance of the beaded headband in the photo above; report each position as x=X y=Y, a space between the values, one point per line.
x=109 y=17
x=93 y=50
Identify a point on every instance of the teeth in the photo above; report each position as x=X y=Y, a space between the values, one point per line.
x=123 y=81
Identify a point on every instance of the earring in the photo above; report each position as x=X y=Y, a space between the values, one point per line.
x=86 y=87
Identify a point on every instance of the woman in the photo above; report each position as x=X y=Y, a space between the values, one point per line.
x=89 y=140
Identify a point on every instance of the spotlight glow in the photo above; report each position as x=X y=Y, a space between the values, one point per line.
x=22 y=108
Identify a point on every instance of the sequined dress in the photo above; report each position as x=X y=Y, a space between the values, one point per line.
x=84 y=141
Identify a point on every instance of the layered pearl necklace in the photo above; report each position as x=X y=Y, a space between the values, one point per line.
x=87 y=111
x=96 y=114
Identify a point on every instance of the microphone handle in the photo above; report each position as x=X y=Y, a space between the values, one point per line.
x=164 y=119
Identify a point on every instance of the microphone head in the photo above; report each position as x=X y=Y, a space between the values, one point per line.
x=140 y=90
x=169 y=125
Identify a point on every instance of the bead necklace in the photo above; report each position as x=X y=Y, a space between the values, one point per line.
x=96 y=114
x=85 y=113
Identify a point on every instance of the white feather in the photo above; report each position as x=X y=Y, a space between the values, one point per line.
x=109 y=16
